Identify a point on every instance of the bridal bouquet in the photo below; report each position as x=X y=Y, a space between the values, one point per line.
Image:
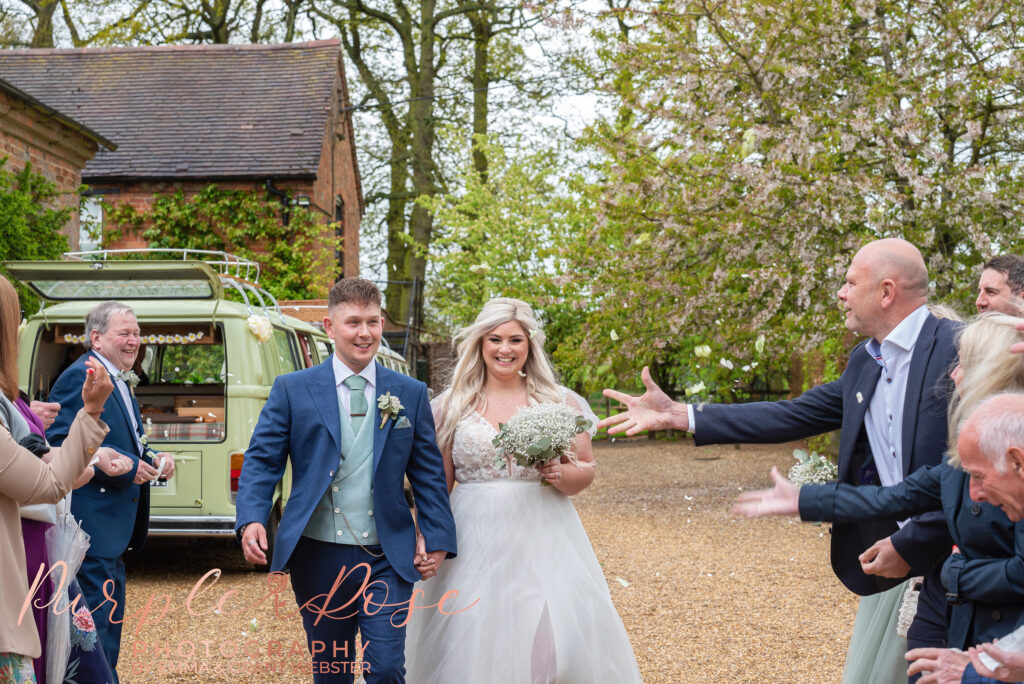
x=539 y=433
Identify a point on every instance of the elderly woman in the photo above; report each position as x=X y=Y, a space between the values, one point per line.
x=984 y=577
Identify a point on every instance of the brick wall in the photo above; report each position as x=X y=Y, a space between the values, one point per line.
x=142 y=194
x=55 y=150
x=336 y=178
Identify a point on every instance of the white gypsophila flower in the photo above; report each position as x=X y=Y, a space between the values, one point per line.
x=539 y=433
x=812 y=468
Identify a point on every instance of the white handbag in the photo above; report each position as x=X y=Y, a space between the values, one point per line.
x=42 y=512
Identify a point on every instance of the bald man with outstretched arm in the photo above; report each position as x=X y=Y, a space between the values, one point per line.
x=890 y=404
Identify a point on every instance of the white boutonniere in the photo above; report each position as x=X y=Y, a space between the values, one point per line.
x=860 y=397
x=389 y=406
x=128 y=377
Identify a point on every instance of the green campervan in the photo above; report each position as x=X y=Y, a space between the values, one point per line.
x=207 y=369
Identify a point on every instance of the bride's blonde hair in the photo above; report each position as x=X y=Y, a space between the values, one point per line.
x=987 y=365
x=466 y=387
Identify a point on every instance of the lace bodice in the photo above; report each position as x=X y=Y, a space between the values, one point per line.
x=475 y=458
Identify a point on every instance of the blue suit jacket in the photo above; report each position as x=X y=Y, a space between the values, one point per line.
x=301 y=420
x=925 y=541
x=113 y=510
x=988 y=573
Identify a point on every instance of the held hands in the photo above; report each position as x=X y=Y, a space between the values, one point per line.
x=655 y=410
x=782 y=499
x=96 y=388
x=940 y=665
x=46 y=411
x=883 y=559
x=427 y=564
x=1010 y=670
x=254 y=543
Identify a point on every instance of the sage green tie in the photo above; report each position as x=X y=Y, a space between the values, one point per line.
x=356 y=401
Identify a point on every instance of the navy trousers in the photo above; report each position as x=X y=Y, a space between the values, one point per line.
x=91 y=576
x=332 y=583
x=928 y=630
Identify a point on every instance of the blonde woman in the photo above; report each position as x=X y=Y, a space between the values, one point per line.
x=532 y=603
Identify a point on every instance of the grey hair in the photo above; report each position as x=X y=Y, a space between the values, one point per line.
x=998 y=422
x=98 y=318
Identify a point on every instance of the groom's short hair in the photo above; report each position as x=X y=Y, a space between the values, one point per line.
x=357 y=291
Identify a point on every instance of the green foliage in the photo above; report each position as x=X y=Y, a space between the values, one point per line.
x=194 y=364
x=506 y=236
x=757 y=144
x=31 y=224
x=294 y=258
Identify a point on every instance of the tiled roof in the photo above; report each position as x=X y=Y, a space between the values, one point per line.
x=190 y=111
x=58 y=116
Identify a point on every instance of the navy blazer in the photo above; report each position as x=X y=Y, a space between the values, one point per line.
x=987 y=576
x=301 y=420
x=925 y=541
x=113 y=510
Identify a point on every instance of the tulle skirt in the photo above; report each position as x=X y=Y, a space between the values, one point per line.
x=534 y=604
x=877 y=653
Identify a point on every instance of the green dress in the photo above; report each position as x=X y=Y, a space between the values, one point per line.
x=877 y=654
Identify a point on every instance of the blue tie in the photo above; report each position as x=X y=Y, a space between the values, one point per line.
x=356 y=401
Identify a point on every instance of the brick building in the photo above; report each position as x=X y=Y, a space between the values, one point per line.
x=56 y=145
x=269 y=118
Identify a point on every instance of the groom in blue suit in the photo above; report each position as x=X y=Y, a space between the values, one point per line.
x=113 y=510
x=890 y=404
x=354 y=431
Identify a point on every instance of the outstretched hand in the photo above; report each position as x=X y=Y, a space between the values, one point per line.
x=782 y=499
x=655 y=410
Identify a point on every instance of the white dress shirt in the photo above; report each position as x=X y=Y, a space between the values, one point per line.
x=126 y=395
x=342 y=372
x=884 y=418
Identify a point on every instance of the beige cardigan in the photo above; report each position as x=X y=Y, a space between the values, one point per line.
x=25 y=479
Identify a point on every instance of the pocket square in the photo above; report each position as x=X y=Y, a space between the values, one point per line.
x=403 y=422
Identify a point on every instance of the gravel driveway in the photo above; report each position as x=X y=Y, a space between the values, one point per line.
x=704 y=596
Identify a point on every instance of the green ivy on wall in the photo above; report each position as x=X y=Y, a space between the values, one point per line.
x=31 y=224
x=293 y=258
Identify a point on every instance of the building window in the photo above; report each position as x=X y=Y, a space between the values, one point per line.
x=90 y=223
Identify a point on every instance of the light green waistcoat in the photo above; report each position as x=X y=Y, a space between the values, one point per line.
x=344 y=515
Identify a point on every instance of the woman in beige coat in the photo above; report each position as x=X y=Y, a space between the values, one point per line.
x=25 y=479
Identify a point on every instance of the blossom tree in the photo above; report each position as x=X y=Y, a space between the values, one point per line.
x=758 y=143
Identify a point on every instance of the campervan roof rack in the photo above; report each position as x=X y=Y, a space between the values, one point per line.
x=227 y=264
x=244 y=286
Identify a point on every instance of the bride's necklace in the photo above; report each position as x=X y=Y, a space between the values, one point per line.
x=504 y=401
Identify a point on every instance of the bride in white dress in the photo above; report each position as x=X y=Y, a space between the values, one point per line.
x=532 y=603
